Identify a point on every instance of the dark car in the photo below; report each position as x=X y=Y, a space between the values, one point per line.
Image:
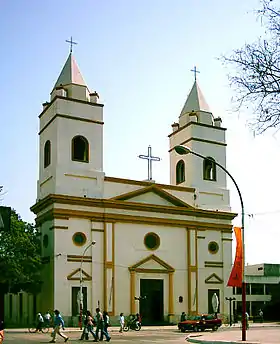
x=200 y=323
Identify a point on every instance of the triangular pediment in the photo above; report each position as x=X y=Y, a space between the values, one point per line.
x=152 y=263
x=152 y=195
x=214 y=279
x=75 y=275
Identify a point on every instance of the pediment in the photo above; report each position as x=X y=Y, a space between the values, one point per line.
x=152 y=195
x=152 y=263
x=213 y=279
x=75 y=275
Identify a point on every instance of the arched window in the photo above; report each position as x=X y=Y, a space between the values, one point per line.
x=80 y=149
x=209 y=169
x=47 y=154
x=180 y=172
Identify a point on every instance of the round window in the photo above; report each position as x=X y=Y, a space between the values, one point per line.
x=79 y=239
x=152 y=241
x=45 y=240
x=213 y=247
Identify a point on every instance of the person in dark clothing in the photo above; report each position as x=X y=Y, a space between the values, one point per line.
x=106 y=325
x=183 y=316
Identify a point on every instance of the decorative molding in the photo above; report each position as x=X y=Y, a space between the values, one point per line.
x=85 y=276
x=200 y=237
x=58 y=213
x=75 y=258
x=78 y=176
x=212 y=264
x=97 y=230
x=227 y=239
x=166 y=267
x=217 y=280
x=158 y=191
x=58 y=227
x=198 y=124
x=45 y=181
x=147 y=183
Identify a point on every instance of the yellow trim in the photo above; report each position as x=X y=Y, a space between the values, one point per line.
x=152 y=257
x=45 y=181
x=200 y=237
x=218 y=279
x=226 y=239
x=170 y=294
x=196 y=271
x=58 y=213
x=78 y=175
x=189 y=272
x=113 y=268
x=132 y=292
x=58 y=227
x=73 y=273
x=155 y=189
x=105 y=270
x=200 y=140
x=213 y=264
x=143 y=183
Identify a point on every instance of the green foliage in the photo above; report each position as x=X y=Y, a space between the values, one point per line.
x=20 y=260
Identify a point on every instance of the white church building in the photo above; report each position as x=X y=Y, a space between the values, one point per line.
x=169 y=244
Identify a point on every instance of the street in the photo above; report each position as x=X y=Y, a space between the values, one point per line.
x=150 y=336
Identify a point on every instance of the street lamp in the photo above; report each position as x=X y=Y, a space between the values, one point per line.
x=81 y=283
x=183 y=150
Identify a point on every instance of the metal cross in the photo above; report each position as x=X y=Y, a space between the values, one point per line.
x=71 y=42
x=195 y=72
x=150 y=158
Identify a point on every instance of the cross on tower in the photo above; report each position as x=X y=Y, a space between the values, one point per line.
x=195 y=72
x=71 y=42
x=150 y=158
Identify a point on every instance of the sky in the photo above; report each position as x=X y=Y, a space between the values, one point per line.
x=137 y=55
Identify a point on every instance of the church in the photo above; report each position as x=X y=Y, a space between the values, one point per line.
x=131 y=246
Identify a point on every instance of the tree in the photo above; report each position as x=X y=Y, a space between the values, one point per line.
x=20 y=260
x=256 y=76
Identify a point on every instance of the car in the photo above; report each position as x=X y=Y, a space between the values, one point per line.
x=200 y=323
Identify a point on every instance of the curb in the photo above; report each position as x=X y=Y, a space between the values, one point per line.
x=191 y=339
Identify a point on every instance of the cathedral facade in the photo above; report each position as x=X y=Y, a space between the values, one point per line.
x=132 y=246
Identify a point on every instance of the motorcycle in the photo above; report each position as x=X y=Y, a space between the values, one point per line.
x=132 y=325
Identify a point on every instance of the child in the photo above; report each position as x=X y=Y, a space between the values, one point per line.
x=121 y=322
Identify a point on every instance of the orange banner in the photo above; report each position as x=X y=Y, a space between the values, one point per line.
x=235 y=278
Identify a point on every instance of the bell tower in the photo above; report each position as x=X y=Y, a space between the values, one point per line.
x=71 y=138
x=202 y=133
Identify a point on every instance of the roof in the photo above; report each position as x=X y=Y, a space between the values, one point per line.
x=195 y=101
x=70 y=73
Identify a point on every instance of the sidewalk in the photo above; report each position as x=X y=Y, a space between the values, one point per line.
x=268 y=334
x=160 y=328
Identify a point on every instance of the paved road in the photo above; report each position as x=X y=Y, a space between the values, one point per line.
x=141 y=337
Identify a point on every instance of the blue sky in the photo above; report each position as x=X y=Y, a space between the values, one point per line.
x=138 y=56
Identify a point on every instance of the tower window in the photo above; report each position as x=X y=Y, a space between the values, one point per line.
x=180 y=172
x=209 y=169
x=47 y=154
x=80 y=149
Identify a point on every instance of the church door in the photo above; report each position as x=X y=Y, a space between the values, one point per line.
x=210 y=295
x=151 y=302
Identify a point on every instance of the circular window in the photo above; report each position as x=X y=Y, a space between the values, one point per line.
x=45 y=240
x=79 y=239
x=152 y=241
x=213 y=247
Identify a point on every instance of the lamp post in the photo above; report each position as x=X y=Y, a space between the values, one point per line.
x=183 y=150
x=81 y=284
x=230 y=299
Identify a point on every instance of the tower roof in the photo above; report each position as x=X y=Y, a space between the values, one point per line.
x=70 y=73
x=195 y=101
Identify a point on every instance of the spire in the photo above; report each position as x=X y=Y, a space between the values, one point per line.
x=70 y=73
x=195 y=101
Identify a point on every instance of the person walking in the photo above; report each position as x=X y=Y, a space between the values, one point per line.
x=48 y=319
x=40 y=322
x=58 y=324
x=89 y=325
x=100 y=327
x=261 y=315
x=106 y=324
x=121 y=322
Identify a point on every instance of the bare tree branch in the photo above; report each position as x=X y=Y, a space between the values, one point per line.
x=256 y=76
